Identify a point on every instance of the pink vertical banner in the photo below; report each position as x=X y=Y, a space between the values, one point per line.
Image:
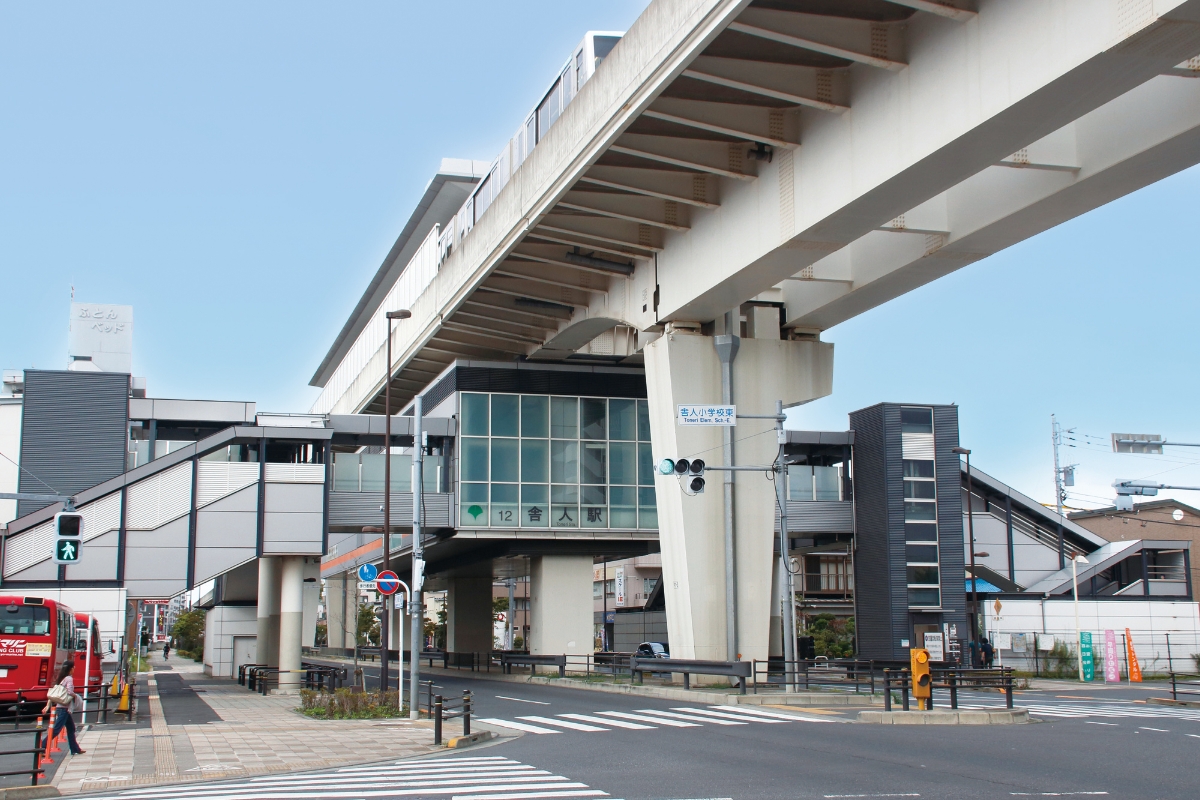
x=1112 y=662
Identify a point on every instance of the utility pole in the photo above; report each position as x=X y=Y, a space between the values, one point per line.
x=418 y=561
x=1063 y=476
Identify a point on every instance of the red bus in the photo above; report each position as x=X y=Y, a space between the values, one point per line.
x=36 y=636
x=94 y=672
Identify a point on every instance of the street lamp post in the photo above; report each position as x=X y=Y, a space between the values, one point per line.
x=384 y=629
x=971 y=538
x=1075 y=562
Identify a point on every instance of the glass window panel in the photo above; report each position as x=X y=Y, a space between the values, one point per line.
x=592 y=495
x=473 y=510
x=505 y=459
x=564 y=495
x=828 y=483
x=922 y=553
x=646 y=468
x=372 y=472
x=564 y=417
x=593 y=516
x=593 y=468
x=920 y=531
x=916 y=420
x=345 y=472
x=643 y=420
x=918 y=469
x=505 y=413
x=564 y=516
x=620 y=517
x=622 y=496
x=535 y=416
x=923 y=490
x=474 y=409
x=622 y=467
x=924 y=597
x=647 y=510
x=402 y=473
x=535 y=461
x=800 y=482
x=592 y=414
x=622 y=419
x=646 y=498
x=919 y=511
x=474 y=459
x=564 y=462
x=535 y=506
x=923 y=575
x=504 y=504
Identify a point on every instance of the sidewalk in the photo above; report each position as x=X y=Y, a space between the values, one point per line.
x=246 y=734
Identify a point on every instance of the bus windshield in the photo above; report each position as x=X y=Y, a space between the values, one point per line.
x=28 y=620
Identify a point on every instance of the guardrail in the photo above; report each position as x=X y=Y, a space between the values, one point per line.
x=259 y=677
x=36 y=772
x=95 y=706
x=733 y=669
x=1191 y=688
x=822 y=673
x=509 y=660
x=951 y=679
x=443 y=710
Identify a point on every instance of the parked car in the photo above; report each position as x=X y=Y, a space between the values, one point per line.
x=652 y=650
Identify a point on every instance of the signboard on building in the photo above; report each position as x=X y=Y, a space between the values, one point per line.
x=620 y=586
x=707 y=415
x=101 y=337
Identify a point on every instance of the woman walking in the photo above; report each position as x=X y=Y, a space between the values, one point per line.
x=63 y=718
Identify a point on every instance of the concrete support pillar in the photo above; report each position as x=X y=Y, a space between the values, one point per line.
x=291 y=621
x=469 y=615
x=312 y=599
x=560 y=599
x=268 y=611
x=683 y=368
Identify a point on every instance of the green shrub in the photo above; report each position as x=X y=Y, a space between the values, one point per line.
x=832 y=637
x=346 y=704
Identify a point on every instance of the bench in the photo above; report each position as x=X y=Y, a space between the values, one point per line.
x=732 y=669
x=508 y=660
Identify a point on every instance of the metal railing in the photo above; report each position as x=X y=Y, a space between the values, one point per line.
x=95 y=705
x=450 y=709
x=950 y=679
x=37 y=752
x=688 y=667
x=1187 y=688
x=807 y=674
x=260 y=677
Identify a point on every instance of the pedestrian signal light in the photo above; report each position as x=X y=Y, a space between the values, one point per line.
x=922 y=676
x=68 y=528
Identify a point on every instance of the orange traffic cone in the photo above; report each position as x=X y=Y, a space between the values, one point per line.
x=44 y=759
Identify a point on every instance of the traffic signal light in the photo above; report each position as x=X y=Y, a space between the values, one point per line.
x=691 y=472
x=68 y=533
x=922 y=677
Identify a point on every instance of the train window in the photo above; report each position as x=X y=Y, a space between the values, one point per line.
x=30 y=620
x=603 y=45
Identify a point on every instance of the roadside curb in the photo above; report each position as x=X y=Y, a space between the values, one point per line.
x=1015 y=716
x=1166 y=701
x=460 y=742
x=28 y=792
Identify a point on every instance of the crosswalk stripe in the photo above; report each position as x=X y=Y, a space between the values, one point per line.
x=616 y=723
x=643 y=718
x=530 y=795
x=656 y=712
x=517 y=726
x=245 y=792
x=702 y=713
x=575 y=726
x=756 y=712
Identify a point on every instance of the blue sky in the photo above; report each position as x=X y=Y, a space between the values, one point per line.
x=237 y=171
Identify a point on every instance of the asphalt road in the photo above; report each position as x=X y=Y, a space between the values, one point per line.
x=1112 y=746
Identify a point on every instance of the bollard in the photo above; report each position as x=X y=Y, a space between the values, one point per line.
x=1008 y=690
x=437 y=719
x=887 y=691
x=467 y=713
x=953 y=690
x=904 y=691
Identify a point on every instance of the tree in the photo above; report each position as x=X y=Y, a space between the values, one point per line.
x=832 y=637
x=367 y=634
x=188 y=631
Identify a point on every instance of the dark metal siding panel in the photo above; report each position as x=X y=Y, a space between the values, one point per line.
x=950 y=520
x=74 y=427
x=897 y=560
x=818 y=516
x=872 y=584
x=362 y=508
x=562 y=382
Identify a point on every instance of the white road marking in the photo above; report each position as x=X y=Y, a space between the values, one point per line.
x=531 y=795
x=1092 y=722
x=703 y=714
x=616 y=723
x=1156 y=730
x=575 y=726
x=517 y=726
x=656 y=712
x=643 y=718
x=521 y=700
x=912 y=794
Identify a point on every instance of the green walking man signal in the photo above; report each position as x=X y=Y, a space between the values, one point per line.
x=68 y=533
